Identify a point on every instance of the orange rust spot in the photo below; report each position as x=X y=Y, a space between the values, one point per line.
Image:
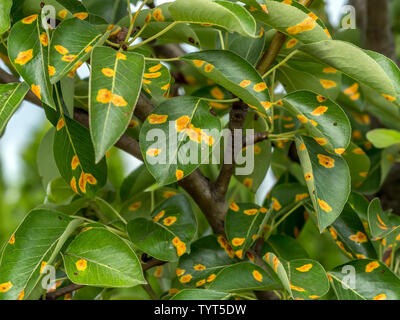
x=319 y=111
x=108 y=72
x=328 y=84
x=134 y=206
x=74 y=162
x=326 y=161
x=36 y=90
x=257 y=275
x=44 y=39
x=169 y=221
x=158 y=15
x=24 y=57
x=260 y=87
x=73 y=185
x=81 y=15
x=81 y=265
x=306 y=25
x=324 y=205
x=305 y=268
x=233 y=206
x=29 y=19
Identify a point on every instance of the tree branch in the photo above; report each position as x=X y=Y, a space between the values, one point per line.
x=63 y=291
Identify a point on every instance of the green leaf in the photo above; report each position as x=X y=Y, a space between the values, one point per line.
x=115 y=84
x=71 y=45
x=185 y=137
x=242 y=277
x=328 y=180
x=355 y=63
x=199 y=294
x=74 y=155
x=46 y=164
x=11 y=96
x=156 y=81
x=227 y=15
x=167 y=236
x=208 y=256
x=349 y=234
x=97 y=257
x=112 y=11
x=303 y=279
x=286 y=196
x=28 y=51
x=292 y=21
x=372 y=281
x=359 y=164
x=380 y=223
x=138 y=180
x=5 y=10
x=243 y=225
x=233 y=73
x=28 y=250
x=323 y=119
x=58 y=191
x=383 y=138
x=285 y=247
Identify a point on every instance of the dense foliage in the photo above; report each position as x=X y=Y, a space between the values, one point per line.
x=179 y=229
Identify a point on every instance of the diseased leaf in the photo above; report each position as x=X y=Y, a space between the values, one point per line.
x=224 y=14
x=185 y=137
x=5 y=10
x=243 y=225
x=115 y=84
x=199 y=294
x=328 y=180
x=11 y=96
x=138 y=180
x=285 y=247
x=380 y=223
x=167 y=236
x=28 y=251
x=28 y=51
x=97 y=257
x=359 y=164
x=242 y=277
x=71 y=45
x=234 y=74
x=355 y=63
x=373 y=281
x=325 y=121
x=74 y=155
x=208 y=256
x=156 y=81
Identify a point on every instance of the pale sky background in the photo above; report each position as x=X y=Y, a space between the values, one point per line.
x=29 y=117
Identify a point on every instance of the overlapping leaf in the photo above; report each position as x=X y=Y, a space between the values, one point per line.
x=243 y=276
x=184 y=137
x=167 y=236
x=303 y=279
x=383 y=138
x=5 y=8
x=327 y=177
x=74 y=155
x=324 y=119
x=208 y=256
x=292 y=21
x=372 y=281
x=11 y=96
x=28 y=251
x=137 y=181
x=355 y=63
x=380 y=223
x=97 y=257
x=28 y=51
x=233 y=73
x=349 y=234
x=71 y=45
x=227 y=15
x=115 y=85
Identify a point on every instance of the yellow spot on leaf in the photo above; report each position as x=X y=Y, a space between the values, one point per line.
x=24 y=57
x=276 y=205
x=4 y=287
x=44 y=39
x=74 y=162
x=152 y=75
x=260 y=87
x=52 y=71
x=304 y=268
x=250 y=212
x=308 y=176
x=82 y=182
x=36 y=90
x=159 y=216
x=363 y=174
x=302 y=147
x=291 y=43
x=358 y=151
x=248 y=182
x=340 y=150
x=165 y=87
x=63 y=13
x=81 y=15
x=158 y=272
x=381 y=296
x=118 y=101
x=69 y=57
x=257 y=275
x=321 y=141
x=319 y=111
x=233 y=206
x=296 y=288
x=179 y=174
x=121 y=56
x=182 y=123
x=329 y=70
x=321 y=98
x=179 y=245
x=301 y=196
x=314 y=297
x=108 y=72
x=29 y=19
x=12 y=239
x=158 y=16
x=237 y=242
x=73 y=185
x=104 y=96
x=217 y=93
x=134 y=206
x=302 y=118
x=352 y=89
x=21 y=295
x=333 y=233
x=359 y=237
x=88 y=49
x=157 y=119
x=313 y=16
x=372 y=266
x=326 y=161
x=169 y=194
x=186 y=278
x=61 y=50
x=179 y=272
x=199 y=267
x=198 y=63
x=245 y=83
x=211 y=277
x=328 y=84
x=306 y=25
x=200 y=282
x=81 y=265
x=42 y=266
x=208 y=68
x=90 y=179
x=324 y=205
x=239 y=253
x=388 y=97
x=169 y=221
